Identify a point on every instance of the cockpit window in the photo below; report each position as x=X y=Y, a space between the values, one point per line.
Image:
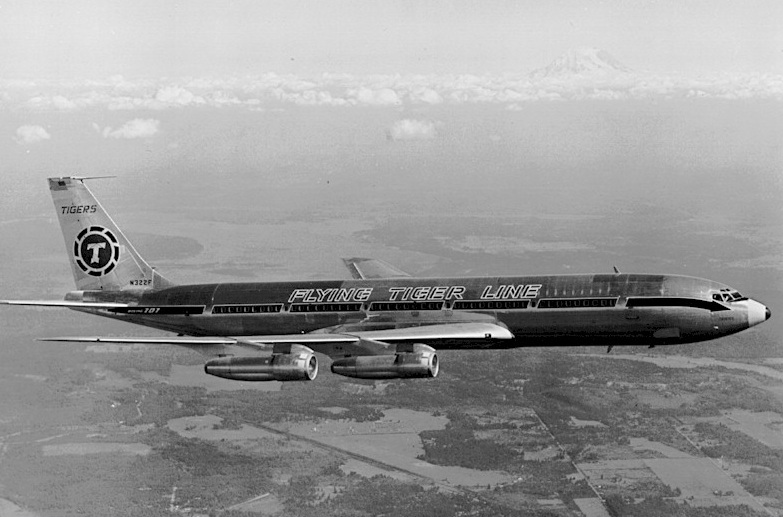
x=727 y=295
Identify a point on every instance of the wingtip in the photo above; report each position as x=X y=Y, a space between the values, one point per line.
x=350 y=260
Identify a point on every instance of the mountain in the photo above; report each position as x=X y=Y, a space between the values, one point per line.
x=584 y=62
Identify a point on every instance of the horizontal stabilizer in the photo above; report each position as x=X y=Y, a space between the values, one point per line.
x=65 y=303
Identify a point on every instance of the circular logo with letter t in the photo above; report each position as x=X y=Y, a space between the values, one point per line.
x=96 y=250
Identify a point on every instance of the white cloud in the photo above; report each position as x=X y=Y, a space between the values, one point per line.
x=426 y=95
x=376 y=97
x=174 y=95
x=51 y=103
x=270 y=90
x=136 y=128
x=304 y=98
x=62 y=103
x=411 y=129
x=31 y=134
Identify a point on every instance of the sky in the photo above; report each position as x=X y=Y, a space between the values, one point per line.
x=86 y=79
x=151 y=38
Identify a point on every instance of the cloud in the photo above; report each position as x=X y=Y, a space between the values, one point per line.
x=136 y=128
x=31 y=135
x=270 y=90
x=376 y=97
x=52 y=103
x=411 y=129
x=425 y=95
x=174 y=95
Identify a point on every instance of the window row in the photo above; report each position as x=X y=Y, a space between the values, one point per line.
x=490 y=304
x=406 y=306
x=247 y=309
x=577 y=303
x=325 y=307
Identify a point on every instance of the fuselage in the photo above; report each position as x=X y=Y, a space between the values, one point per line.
x=552 y=310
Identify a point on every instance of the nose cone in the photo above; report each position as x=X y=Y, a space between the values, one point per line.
x=757 y=313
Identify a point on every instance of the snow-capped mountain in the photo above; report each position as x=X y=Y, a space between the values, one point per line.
x=584 y=62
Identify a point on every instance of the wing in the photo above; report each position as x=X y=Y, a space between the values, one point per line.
x=175 y=340
x=370 y=342
x=369 y=268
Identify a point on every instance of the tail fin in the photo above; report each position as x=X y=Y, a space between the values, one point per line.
x=102 y=258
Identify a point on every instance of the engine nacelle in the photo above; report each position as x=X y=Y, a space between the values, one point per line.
x=420 y=361
x=299 y=365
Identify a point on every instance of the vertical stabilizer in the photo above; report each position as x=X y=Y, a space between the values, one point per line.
x=102 y=258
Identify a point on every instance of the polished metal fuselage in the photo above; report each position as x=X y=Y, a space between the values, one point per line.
x=551 y=310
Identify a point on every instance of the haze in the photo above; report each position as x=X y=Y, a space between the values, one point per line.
x=94 y=39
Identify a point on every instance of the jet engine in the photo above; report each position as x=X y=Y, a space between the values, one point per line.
x=298 y=365
x=413 y=361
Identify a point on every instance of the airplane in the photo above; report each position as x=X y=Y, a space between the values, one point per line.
x=382 y=323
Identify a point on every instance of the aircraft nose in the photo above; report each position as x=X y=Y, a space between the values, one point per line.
x=757 y=313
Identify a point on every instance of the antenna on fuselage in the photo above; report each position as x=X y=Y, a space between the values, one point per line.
x=616 y=271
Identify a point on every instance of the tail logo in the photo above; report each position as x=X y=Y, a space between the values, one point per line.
x=96 y=250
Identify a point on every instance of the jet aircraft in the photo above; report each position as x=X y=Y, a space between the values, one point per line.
x=382 y=323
